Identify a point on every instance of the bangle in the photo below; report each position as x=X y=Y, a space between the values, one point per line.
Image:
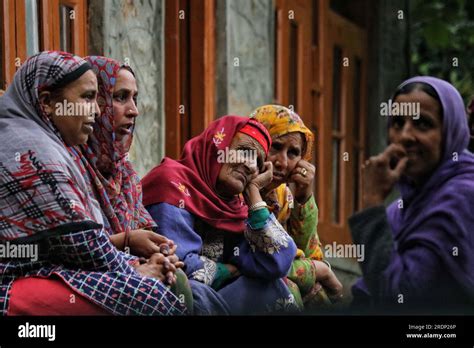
x=258 y=206
x=327 y=263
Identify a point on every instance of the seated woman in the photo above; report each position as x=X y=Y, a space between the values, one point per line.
x=110 y=175
x=49 y=107
x=419 y=251
x=233 y=246
x=297 y=211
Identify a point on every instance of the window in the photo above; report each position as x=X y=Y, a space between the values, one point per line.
x=30 y=26
x=32 y=16
x=66 y=28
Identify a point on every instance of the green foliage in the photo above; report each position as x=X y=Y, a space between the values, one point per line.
x=441 y=31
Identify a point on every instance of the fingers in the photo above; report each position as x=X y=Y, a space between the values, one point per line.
x=179 y=264
x=157 y=238
x=173 y=259
x=401 y=165
x=170 y=278
x=157 y=258
x=173 y=248
x=165 y=249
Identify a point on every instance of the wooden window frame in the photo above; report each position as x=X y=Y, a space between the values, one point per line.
x=13 y=32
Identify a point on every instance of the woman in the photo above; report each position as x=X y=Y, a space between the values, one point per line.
x=110 y=175
x=233 y=246
x=418 y=251
x=297 y=211
x=46 y=203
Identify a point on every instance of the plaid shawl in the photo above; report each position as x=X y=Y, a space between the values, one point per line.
x=44 y=199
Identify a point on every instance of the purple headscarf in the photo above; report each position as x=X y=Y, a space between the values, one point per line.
x=440 y=214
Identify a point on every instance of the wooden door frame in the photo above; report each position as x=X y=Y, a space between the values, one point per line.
x=202 y=67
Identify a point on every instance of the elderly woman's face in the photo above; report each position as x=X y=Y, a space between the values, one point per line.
x=235 y=175
x=285 y=153
x=421 y=138
x=124 y=103
x=73 y=112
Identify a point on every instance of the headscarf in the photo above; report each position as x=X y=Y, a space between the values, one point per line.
x=439 y=215
x=280 y=120
x=112 y=177
x=41 y=188
x=190 y=182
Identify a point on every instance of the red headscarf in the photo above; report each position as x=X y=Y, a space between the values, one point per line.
x=190 y=182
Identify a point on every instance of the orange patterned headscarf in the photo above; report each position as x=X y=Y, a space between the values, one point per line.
x=280 y=120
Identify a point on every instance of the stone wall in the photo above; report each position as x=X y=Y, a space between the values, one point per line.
x=245 y=55
x=133 y=30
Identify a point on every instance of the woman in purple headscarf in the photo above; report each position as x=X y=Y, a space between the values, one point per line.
x=419 y=252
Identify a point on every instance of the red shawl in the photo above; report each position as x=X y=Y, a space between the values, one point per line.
x=190 y=182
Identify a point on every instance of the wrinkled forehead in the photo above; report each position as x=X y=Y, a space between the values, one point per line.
x=241 y=139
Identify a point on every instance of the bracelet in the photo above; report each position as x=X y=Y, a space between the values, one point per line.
x=327 y=263
x=258 y=206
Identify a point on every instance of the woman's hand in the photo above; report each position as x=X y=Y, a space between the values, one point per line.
x=146 y=243
x=158 y=267
x=252 y=190
x=264 y=178
x=303 y=177
x=328 y=280
x=378 y=176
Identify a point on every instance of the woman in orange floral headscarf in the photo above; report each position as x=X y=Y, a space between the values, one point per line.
x=295 y=208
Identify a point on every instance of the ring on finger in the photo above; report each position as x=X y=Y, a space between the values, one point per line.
x=304 y=171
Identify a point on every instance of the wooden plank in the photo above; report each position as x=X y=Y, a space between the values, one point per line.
x=9 y=40
x=172 y=80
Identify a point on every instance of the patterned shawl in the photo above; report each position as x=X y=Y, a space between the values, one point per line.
x=111 y=176
x=42 y=191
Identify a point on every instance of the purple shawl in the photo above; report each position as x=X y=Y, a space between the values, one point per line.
x=440 y=214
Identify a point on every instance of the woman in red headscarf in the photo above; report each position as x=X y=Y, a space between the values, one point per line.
x=229 y=242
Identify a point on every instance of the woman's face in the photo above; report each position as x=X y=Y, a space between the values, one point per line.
x=73 y=112
x=124 y=103
x=235 y=175
x=421 y=138
x=285 y=153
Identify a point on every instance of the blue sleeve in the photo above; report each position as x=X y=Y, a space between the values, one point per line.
x=178 y=225
x=265 y=253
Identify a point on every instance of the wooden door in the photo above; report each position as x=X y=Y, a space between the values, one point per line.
x=342 y=124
